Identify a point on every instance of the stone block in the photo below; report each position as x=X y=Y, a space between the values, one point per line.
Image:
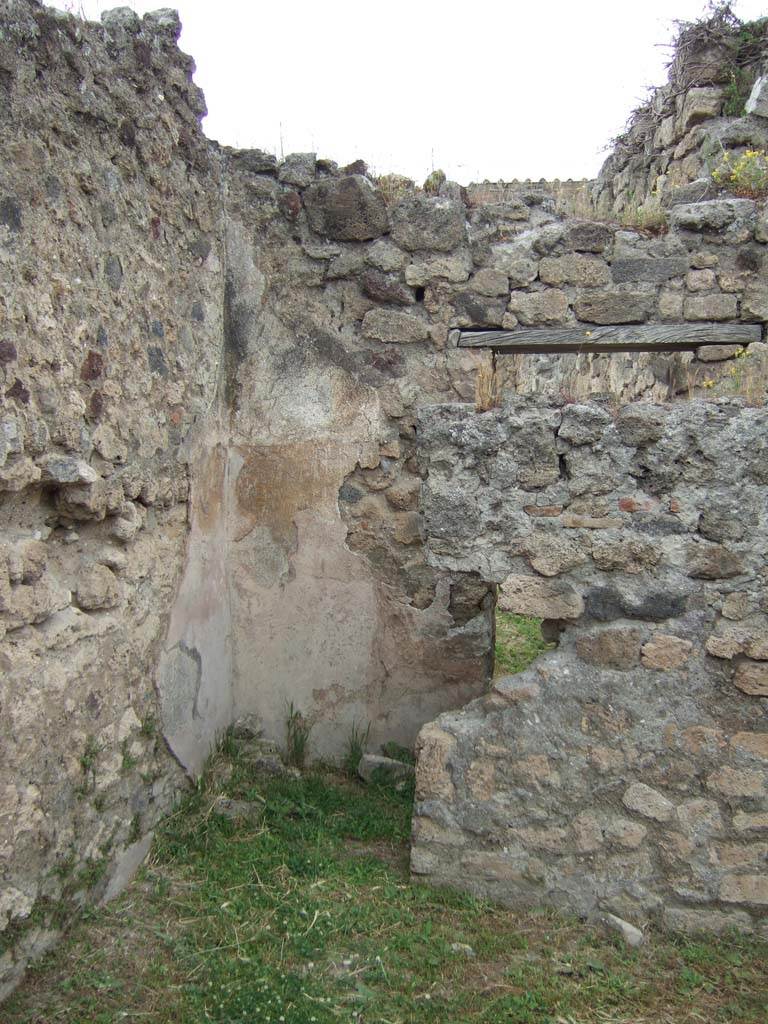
x=757 y=102
x=712 y=562
x=455 y=268
x=735 y=606
x=589 y=236
x=617 y=648
x=754 y=744
x=744 y=821
x=751 y=677
x=716 y=353
x=625 y=833
x=614 y=307
x=632 y=554
x=434 y=747
x=347 y=209
x=297 y=169
x=665 y=652
x=546 y=599
x=710 y=307
x=386 y=288
x=488 y=281
x=428 y=223
x=700 y=104
x=539 y=309
x=66 y=469
x=754 y=302
x=647 y=801
x=551 y=553
x=648 y=270
x=712 y=215
x=583 y=424
x=670 y=304
x=700 y=281
x=640 y=424
x=574 y=268
x=745 y=889
x=518 y=264
x=385 y=256
x=726 y=644
x=394 y=328
x=737 y=783
x=632 y=936
x=97 y=588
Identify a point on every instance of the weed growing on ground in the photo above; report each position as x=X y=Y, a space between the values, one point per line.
x=357 y=741
x=297 y=730
x=518 y=642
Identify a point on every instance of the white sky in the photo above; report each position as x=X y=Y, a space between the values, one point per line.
x=483 y=90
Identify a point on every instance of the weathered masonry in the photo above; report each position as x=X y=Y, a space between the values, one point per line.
x=223 y=385
x=626 y=770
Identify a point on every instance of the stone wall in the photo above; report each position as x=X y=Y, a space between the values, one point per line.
x=625 y=771
x=110 y=320
x=213 y=367
x=714 y=103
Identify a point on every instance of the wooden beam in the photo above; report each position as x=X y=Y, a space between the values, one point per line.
x=615 y=338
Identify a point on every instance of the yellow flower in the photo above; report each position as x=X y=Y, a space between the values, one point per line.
x=708 y=383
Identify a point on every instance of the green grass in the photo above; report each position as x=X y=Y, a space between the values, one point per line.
x=518 y=642
x=309 y=917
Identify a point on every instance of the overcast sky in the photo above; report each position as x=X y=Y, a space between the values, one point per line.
x=482 y=90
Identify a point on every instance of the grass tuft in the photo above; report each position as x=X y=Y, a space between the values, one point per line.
x=518 y=642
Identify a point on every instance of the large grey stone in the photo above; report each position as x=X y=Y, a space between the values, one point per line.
x=428 y=222
x=614 y=307
x=394 y=328
x=653 y=270
x=714 y=215
x=757 y=102
x=346 y=209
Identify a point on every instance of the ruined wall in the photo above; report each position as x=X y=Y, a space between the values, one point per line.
x=709 y=107
x=625 y=771
x=110 y=319
x=213 y=367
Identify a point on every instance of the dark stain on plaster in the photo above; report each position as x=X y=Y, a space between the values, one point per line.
x=238 y=317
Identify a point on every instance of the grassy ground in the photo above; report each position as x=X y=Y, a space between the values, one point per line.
x=307 y=916
x=518 y=642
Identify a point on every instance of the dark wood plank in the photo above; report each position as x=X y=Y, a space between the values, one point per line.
x=614 y=338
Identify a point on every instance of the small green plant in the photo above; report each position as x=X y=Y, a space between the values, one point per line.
x=88 y=760
x=398 y=752
x=649 y=216
x=736 y=92
x=394 y=187
x=356 y=744
x=129 y=762
x=134 y=832
x=434 y=183
x=745 y=175
x=148 y=727
x=297 y=730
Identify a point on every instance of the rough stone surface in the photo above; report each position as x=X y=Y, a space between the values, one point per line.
x=625 y=771
x=345 y=209
x=216 y=493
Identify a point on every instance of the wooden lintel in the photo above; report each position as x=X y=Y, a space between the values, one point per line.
x=614 y=338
